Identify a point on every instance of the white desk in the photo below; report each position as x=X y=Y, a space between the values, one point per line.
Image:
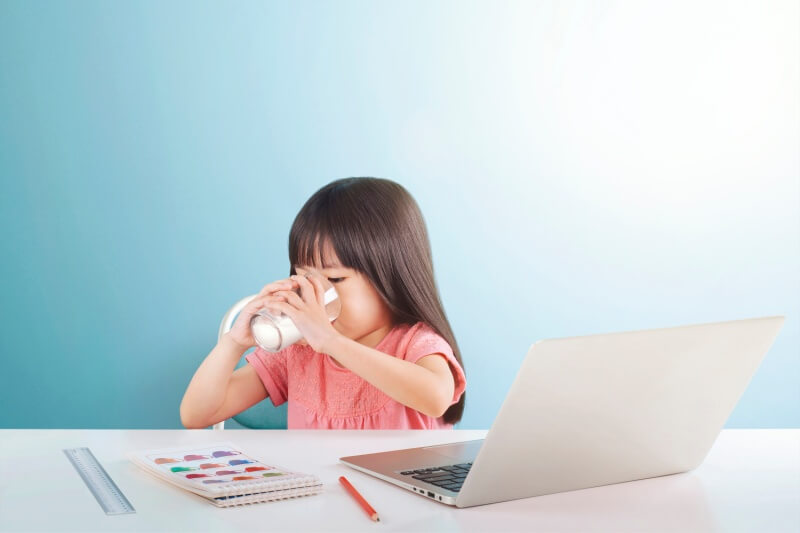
x=750 y=481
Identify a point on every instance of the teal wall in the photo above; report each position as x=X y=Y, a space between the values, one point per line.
x=583 y=167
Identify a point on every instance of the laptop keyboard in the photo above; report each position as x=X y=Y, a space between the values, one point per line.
x=447 y=477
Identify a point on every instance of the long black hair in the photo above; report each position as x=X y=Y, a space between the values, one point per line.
x=376 y=228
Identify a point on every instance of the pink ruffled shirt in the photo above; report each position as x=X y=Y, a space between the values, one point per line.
x=323 y=395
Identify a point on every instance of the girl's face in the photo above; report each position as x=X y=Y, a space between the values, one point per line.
x=364 y=317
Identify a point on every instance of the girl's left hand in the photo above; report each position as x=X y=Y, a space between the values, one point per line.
x=307 y=311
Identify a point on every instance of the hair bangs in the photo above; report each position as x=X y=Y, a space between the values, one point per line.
x=325 y=238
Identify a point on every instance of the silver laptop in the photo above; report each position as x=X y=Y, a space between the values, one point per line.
x=593 y=410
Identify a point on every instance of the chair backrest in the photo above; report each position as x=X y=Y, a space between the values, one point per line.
x=262 y=415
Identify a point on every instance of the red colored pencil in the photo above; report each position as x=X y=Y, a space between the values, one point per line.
x=360 y=499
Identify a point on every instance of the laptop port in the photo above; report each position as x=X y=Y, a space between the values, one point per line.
x=432 y=495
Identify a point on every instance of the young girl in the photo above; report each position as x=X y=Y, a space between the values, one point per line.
x=389 y=361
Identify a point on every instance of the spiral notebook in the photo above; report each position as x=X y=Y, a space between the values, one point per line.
x=224 y=475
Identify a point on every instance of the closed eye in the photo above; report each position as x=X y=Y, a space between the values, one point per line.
x=335 y=280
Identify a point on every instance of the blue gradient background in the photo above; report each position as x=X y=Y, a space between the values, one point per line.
x=583 y=167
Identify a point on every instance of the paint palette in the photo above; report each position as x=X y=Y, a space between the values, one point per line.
x=214 y=465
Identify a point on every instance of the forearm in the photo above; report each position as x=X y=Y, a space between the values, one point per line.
x=408 y=383
x=206 y=392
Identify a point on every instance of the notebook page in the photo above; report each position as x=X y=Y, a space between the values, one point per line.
x=219 y=470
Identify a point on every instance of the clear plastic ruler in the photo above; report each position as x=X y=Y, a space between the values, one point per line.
x=99 y=482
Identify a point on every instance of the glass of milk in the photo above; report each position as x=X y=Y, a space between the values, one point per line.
x=274 y=332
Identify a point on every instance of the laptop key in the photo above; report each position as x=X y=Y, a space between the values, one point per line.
x=431 y=477
x=439 y=473
x=437 y=478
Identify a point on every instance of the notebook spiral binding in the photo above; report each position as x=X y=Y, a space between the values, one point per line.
x=262 y=491
x=251 y=498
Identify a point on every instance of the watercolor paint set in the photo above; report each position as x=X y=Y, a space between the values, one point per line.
x=225 y=475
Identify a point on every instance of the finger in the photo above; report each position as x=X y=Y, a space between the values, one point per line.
x=275 y=286
x=260 y=302
x=292 y=297
x=283 y=307
x=269 y=287
x=320 y=289
x=273 y=298
x=254 y=304
x=282 y=284
x=307 y=291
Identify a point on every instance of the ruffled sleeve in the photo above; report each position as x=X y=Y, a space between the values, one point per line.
x=426 y=341
x=272 y=370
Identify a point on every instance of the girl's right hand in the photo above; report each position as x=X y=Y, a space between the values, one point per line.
x=240 y=332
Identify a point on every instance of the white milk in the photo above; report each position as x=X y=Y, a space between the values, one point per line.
x=275 y=332
x=265 y=333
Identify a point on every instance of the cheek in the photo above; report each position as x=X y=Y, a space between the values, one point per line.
x=346 y=302
x=355 y=306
